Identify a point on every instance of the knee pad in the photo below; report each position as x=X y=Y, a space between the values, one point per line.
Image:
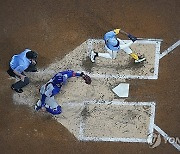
x=55 y=111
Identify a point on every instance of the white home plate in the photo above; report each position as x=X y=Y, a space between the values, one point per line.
x=122 y=90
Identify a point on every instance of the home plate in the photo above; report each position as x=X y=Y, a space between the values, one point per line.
x=122 y=90
x=117 y=121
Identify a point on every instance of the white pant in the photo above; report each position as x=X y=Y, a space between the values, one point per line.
x=112 y=54
x=50 y=102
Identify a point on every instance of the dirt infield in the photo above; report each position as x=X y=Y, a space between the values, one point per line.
x=56 y=28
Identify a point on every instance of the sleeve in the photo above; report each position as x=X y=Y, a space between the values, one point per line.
x=19 y=69
x=71 y=73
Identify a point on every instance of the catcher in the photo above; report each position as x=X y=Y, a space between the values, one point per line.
x=114 y=45
x=53 y=87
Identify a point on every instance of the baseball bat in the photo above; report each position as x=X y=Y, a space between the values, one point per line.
x=148 y=39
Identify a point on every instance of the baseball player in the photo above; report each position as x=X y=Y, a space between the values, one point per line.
x=53 y=87
x=19 y=64
x=114 y=45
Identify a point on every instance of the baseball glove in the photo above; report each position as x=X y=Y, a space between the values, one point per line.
x=86 y=78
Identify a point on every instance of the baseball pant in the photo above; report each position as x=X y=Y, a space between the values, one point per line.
x=20 y=84
x=51 y=105
x=112 y=54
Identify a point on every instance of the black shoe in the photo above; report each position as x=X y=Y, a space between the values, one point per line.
x=140 y=59
x=17 y=90
x=93 y=56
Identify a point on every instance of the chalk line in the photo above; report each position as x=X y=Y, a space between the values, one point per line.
x=166 y=137
x=169 y=49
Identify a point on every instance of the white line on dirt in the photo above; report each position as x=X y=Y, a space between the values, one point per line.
x=169 y=49
x=156 y=62
x=151 y=123
x=166 y=136
x=122 y=76
x=114 y=139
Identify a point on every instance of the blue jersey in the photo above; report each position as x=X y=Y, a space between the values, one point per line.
x=111 y=41
x=50 y=88
x=20 y=62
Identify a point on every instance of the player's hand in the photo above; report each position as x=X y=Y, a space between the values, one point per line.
x=117 y=31
x=131 y=37
x=33 y=61
x=22 y=77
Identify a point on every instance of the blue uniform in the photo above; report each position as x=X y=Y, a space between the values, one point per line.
x=20 y=62
x=51 y=88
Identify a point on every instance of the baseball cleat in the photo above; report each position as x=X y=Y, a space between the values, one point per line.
x=38 y=105
x=93 y=56
x=16 y=90
x=141 y=59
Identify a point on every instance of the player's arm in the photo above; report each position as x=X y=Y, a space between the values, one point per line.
x=17 y=71
x=130 y=36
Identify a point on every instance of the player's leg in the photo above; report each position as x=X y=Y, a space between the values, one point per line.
x=52 y=106
x=10 y=72
x=127 y=49
x=20 y=84
x=110 y=54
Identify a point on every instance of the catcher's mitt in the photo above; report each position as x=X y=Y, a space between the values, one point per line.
x=86 y=78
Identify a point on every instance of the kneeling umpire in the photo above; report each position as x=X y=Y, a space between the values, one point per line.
x=19 y=64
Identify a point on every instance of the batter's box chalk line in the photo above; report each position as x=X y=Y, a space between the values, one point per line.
x=171 y=48
x=167 y=138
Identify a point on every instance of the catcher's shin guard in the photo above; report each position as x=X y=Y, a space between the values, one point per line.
x=55 y=111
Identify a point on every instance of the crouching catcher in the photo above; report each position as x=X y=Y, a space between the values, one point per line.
x=52 y=87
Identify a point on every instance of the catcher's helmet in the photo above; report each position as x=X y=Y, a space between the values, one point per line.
x=59 y=78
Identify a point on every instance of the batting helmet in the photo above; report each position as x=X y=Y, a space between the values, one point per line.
x=113 y=41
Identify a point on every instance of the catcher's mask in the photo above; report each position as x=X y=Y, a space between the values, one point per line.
x=59 y=79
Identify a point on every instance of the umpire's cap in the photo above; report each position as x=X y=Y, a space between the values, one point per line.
x=31 y=55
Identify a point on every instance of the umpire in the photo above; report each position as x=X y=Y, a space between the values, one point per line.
x=19 y=64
